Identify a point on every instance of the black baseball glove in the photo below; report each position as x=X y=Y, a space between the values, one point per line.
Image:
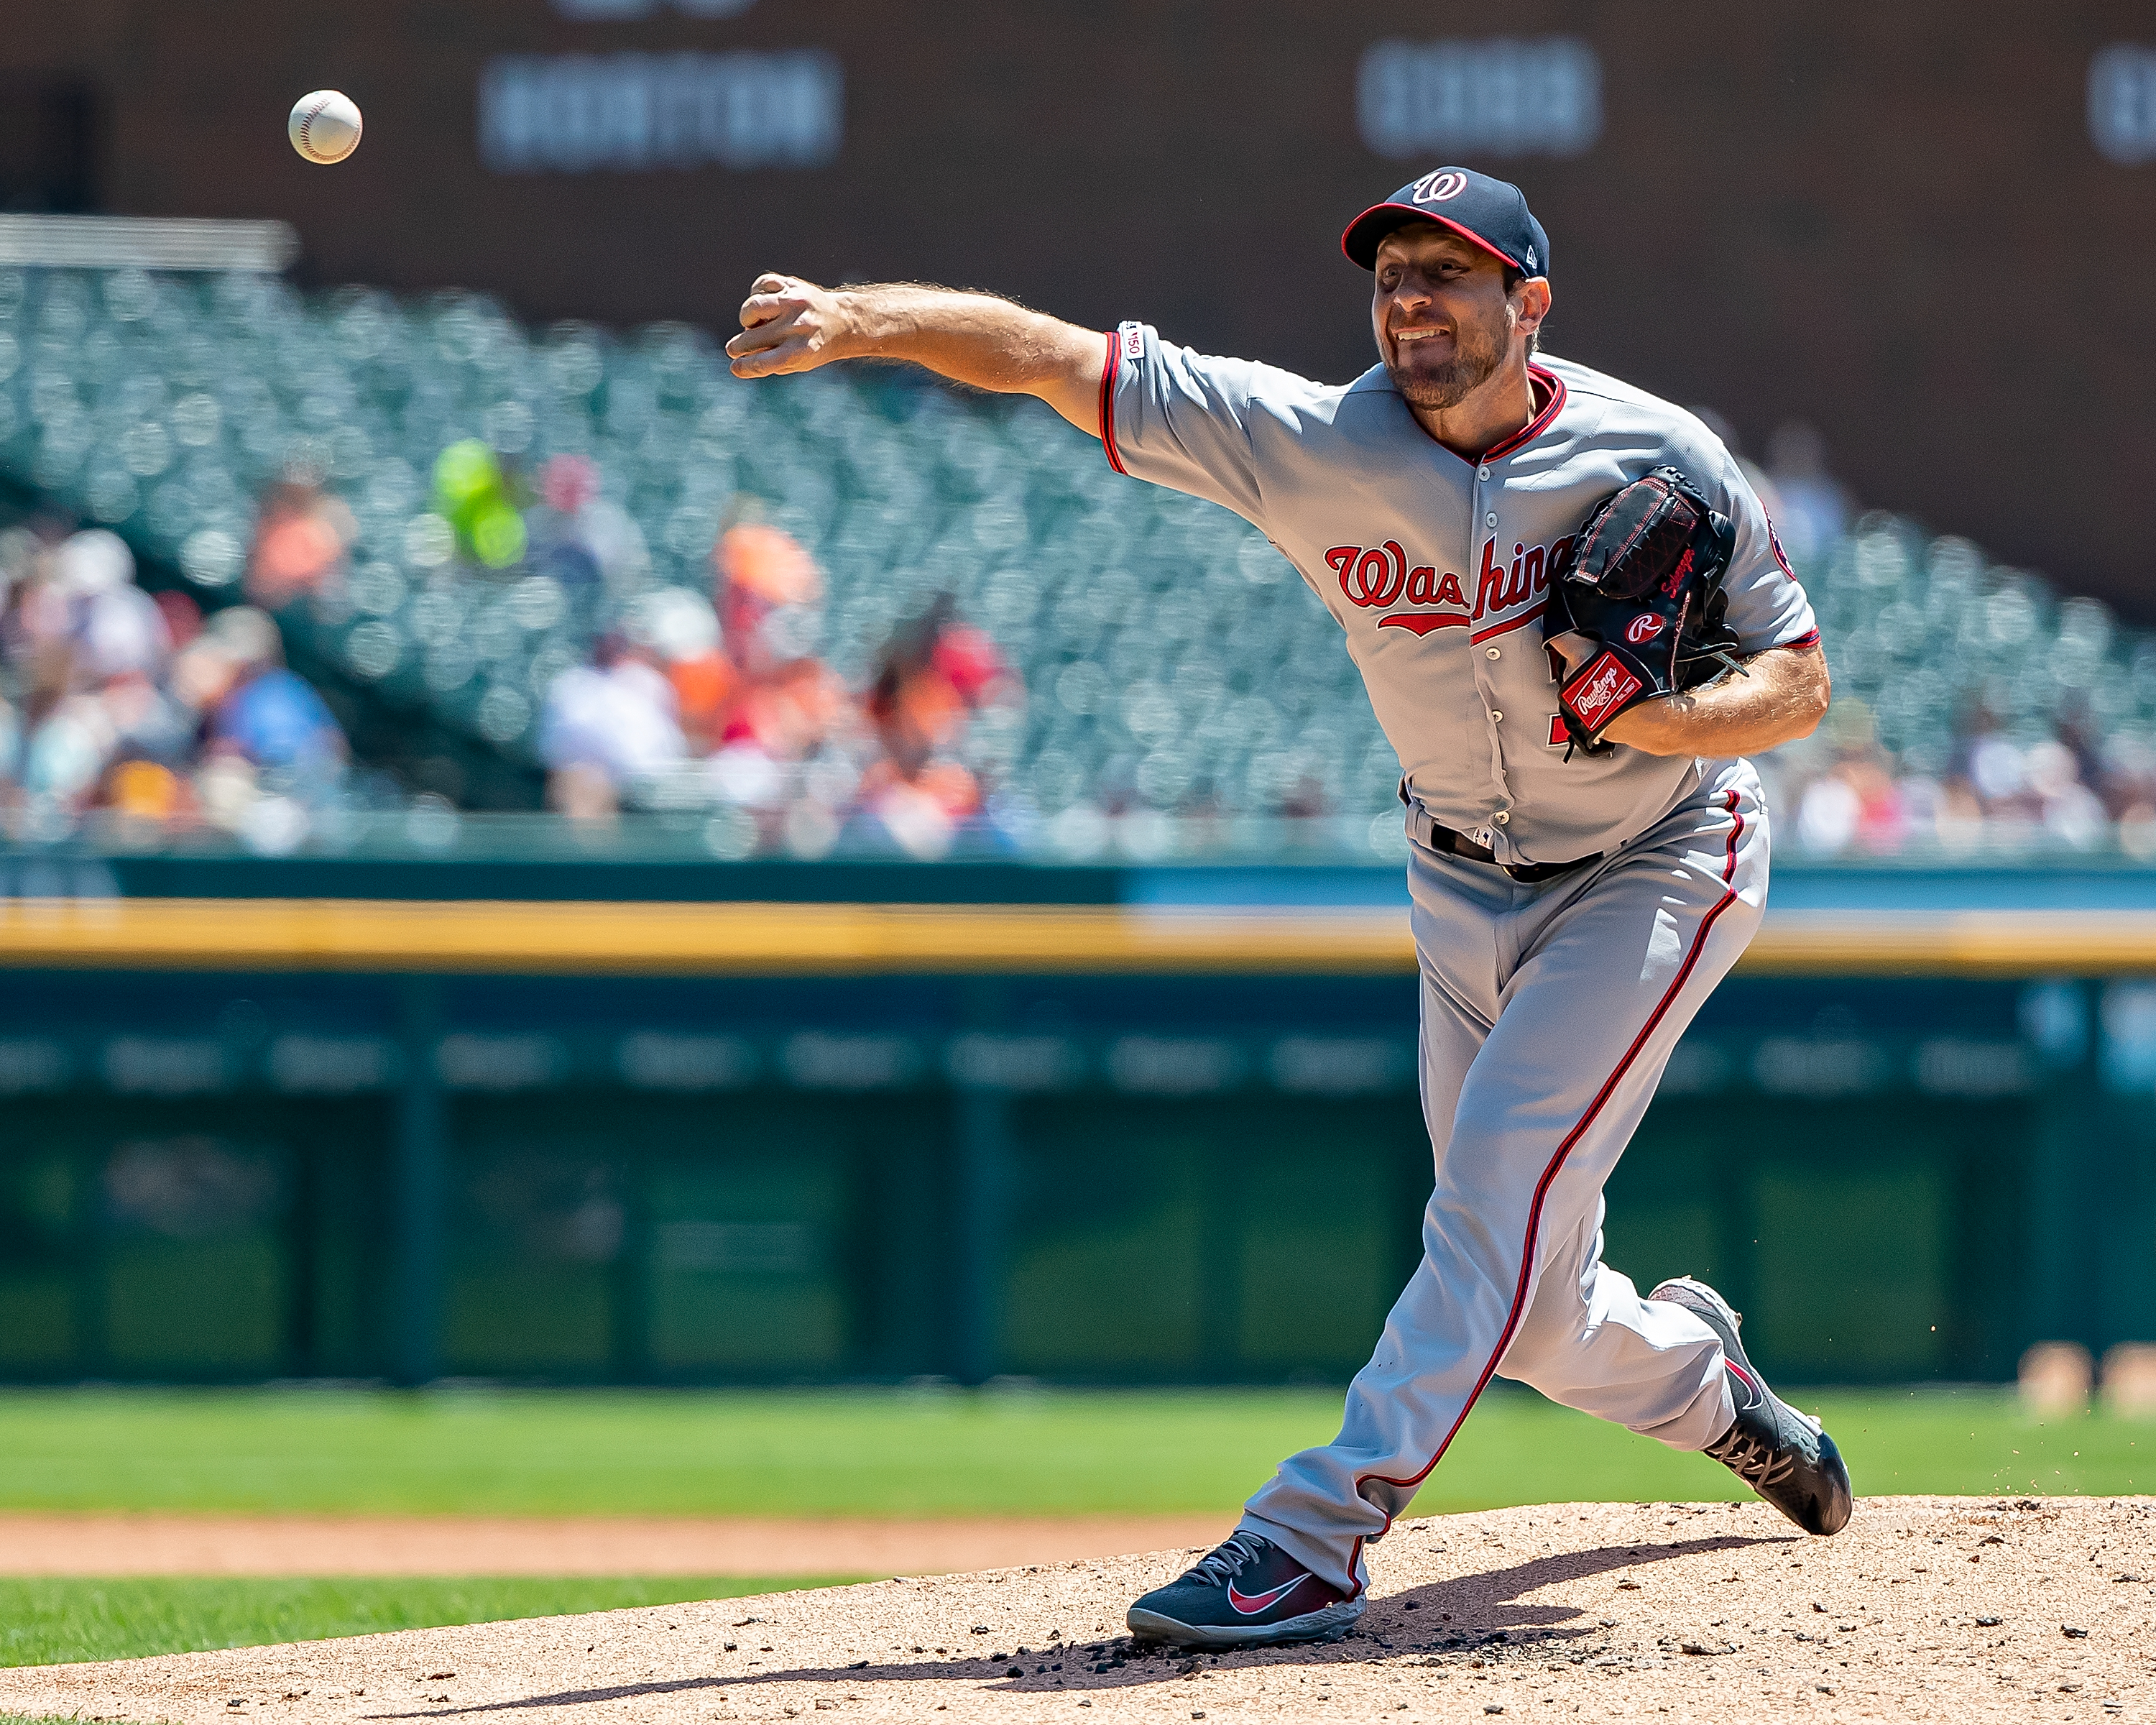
x=1642 y=582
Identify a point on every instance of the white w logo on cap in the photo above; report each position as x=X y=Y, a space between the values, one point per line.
x=1436 y=188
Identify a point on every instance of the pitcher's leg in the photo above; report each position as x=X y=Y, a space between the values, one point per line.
x=1586 y=1025
x=1590 y=1341
x=1403 y=1400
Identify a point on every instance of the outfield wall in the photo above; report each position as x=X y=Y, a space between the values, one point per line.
x=1127 y=1140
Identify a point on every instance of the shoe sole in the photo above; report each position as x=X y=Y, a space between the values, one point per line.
x=1328 y=1624
x=1829 y=1451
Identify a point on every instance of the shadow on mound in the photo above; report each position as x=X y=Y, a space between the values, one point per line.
x=1480 y=1610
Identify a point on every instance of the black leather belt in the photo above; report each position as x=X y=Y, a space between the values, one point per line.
x=1459 y=845
x=1439 y=837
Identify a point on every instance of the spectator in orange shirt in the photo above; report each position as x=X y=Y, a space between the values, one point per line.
x=300 y=544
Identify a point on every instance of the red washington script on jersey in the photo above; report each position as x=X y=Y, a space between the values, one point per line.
x=1373 y=578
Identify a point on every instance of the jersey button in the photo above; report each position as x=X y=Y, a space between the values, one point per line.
x=1483 y=474
x=1491 y=519
x=1495 y=716
x=1493 y=652
x=1501 y=817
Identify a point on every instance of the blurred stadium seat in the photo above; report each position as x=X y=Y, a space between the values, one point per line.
x=1180 y=692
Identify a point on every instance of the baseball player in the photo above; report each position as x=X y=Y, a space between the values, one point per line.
x=1574 y=621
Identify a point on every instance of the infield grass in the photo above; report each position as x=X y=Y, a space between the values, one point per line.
x=883 y=1453
x=45 y=1621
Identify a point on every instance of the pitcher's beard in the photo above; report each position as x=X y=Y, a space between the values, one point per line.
x=1475 y=357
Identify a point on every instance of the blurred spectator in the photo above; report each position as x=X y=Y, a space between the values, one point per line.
x=675 y=684
x=265 y=714
x=936 y=673
x=764 y=701
x=2070 y=810
x=767 y=585
x=787 y=713
x=1814 y=507
x=475 y=496
x=719 y=702
x=605 y=725
x=300 y=544
x=115 y=627
x=680 y=631
x=126 y=701
x=86 y=651
x=1999 y=790
x=576 y=536
x=1857 y=803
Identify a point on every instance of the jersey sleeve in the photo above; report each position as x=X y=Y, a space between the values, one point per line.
x=1181 y=419
x=1767 y=607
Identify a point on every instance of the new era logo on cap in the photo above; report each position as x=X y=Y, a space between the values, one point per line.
x=1493 y=214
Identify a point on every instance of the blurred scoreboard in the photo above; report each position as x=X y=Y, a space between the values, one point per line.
x=1920 y=227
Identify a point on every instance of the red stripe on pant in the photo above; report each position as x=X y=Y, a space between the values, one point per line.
x=1556 y=1163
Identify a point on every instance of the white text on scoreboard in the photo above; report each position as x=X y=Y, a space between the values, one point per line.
x=578 y=113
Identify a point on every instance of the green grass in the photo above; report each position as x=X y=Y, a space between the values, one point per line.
x=883 y=1453
x=829 y=1453
x=44 y=1622
x=37 y=1719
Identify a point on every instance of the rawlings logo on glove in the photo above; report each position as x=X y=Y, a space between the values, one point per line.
x=1601 y=692
x=1647 y=563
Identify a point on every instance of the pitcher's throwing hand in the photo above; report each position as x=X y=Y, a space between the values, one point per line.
x=787 y=325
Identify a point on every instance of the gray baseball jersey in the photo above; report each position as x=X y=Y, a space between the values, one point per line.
x=1437 y=567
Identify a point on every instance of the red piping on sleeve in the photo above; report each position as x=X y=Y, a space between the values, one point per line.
x=1565 y=1149
x=1108 y=369
x=1809 y=639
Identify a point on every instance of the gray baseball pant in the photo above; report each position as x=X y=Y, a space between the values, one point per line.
x=1549 y=1013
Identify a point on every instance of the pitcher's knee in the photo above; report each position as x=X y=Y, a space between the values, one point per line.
x=1534 y=1355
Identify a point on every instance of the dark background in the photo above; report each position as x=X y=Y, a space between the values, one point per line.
x=1891 y=221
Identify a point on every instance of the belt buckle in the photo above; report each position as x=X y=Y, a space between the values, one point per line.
x=1459 y=845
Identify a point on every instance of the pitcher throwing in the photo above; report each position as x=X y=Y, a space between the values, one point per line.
x=1575 y=620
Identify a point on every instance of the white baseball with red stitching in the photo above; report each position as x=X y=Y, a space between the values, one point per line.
x=324 y=126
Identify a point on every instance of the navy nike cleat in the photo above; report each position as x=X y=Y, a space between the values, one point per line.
x=1785 y=1457
x=1246 y=1592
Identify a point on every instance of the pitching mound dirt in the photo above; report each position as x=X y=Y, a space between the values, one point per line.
x=104 y=1545
x=1925 y=1609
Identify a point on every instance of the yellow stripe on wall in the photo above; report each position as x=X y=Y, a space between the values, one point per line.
x=375 y=935
x=689 y=939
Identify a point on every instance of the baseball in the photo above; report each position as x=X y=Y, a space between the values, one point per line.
x=324 y=126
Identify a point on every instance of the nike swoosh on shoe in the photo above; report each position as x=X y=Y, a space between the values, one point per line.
x=1250 y=1604
x=1754 y=1387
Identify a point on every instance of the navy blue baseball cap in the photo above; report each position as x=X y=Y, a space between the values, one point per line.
x=1492 y=213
